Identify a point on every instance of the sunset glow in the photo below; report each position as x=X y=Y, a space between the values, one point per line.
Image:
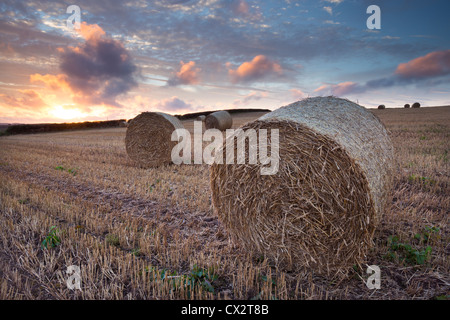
x=67 y=113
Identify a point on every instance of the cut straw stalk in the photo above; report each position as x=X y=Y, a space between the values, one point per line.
x=321 y=208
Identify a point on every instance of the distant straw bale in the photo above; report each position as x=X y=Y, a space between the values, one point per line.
x=148 y=139
x=219 y=120
x=321 y=209
x=416 y=105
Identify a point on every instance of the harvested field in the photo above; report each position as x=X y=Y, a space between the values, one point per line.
x=146 y=233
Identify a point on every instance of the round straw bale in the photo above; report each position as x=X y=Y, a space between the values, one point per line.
x=381 y=106
x=321 y=208
x=201 y=118
x=407 y=105
x=416 y=105
x=219 y=120
x=148 y=138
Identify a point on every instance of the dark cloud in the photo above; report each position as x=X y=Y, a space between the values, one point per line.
x=99 y=70
x=173 y=104
x=382 y=82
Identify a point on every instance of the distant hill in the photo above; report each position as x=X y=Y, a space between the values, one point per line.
x=55 y=127
x=7 y=129
x=205 y=113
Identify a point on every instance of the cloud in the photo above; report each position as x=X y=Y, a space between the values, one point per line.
x=29 y=100
x=252 y=96
x=381 y=83
x=422 y=70
x=90 y=31
x=188 y=74
x=340 y=89
x=328 y=9
x=433 y=64
x=257 y=69
x=239 y=7
x=297 y=94
x=97 y=71
x=53 y=82
x=173 y=104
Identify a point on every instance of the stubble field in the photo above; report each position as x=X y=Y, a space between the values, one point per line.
x=75 y=198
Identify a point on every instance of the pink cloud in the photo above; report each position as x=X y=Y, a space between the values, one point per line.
x=188 y=74
x=433 y=64
x=29 y=100
x=240 y=7
x=256 y=69
x=90 y=31
x=54 y=82
x=252 y=96
x=297 y=94
x=340 y=89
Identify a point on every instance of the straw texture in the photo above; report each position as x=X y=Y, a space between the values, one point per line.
x=321 y=208
x=148 y=138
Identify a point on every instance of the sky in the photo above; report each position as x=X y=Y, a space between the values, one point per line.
x=181 y=56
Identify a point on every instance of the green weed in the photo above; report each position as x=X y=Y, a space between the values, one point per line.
x=112 y=239
x=71 y=171
x=404 y=252
x=52 y=239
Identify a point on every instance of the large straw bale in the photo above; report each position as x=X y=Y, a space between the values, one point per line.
x=321 y=209
x=148 y=138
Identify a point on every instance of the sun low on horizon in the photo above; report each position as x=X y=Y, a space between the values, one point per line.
x=65 y=113
x=86 y=61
